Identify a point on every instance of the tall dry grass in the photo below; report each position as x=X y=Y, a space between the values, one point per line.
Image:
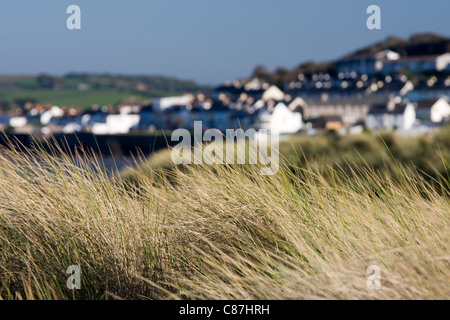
x=223 y=232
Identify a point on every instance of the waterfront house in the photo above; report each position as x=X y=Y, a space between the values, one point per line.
x=434 y=110
x=273 y=93
x=391 y=116
x=426 y=63
x=277 y=117
x=162 y=104
x=369 y=64
x=114 y=123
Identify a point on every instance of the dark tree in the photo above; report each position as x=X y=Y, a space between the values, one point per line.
x=262 y=73
x=48 y=82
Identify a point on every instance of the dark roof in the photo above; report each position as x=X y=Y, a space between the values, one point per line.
x=175 y=109
x=426 y=103
x=219 y=106
x=237 y=91
x=93 y=112
x=148 y=108
x=383 y=109
x=329 y=118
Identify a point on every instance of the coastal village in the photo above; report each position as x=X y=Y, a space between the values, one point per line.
x=366 y=92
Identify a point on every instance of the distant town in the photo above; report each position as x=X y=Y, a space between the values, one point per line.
x=377 y=88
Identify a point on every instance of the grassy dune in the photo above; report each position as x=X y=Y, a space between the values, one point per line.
x=222 y=232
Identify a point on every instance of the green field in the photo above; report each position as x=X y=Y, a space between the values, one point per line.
x=22 y=82
x=75 y=98
x=15 y=90
x=70 y=98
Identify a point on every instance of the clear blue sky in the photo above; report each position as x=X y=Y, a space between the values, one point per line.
x=209 y=41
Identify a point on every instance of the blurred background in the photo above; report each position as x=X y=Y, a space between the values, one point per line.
x=138 y=70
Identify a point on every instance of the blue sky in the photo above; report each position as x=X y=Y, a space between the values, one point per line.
x=209 y=41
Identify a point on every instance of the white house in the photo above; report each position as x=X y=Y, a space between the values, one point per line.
x=116 y=124
x=278 y=119
x=366 y=63
x=273 y=93
x=435 y=110
x=391 y=116
x=48 y=115
x=162 y=104
x=418 y=63
x=17 y=122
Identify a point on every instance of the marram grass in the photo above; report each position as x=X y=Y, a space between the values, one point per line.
x=223 y=232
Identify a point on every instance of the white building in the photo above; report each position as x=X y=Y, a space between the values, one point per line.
x=48 y=115
x=435 y=110
x=430 y=63
x=17 y=122
x=279 y=119
x=391 y=116
x=366 y=63
x=116 y=124
x=273 y=93
x=162 y=104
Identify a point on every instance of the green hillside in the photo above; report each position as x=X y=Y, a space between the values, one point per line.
x=85 y=90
